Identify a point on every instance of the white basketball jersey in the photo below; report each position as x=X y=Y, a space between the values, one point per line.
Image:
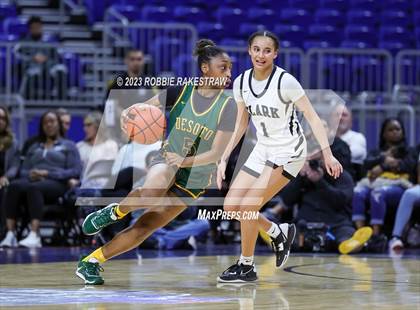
x=274 y=118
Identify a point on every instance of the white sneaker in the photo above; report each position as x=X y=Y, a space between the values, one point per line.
x=396 y=244
x=9 y=241
x=31 y=241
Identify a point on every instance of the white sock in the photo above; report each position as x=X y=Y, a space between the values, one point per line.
x=93 y=260
x=246 y=260
x=284 y=228
x=274 y=230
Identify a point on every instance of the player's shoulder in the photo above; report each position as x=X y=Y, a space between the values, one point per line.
x=240 y=76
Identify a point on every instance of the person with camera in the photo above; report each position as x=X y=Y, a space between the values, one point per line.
x=324 y=208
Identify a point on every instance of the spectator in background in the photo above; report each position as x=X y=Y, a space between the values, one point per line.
x=128 y=94
x=97 y=152
x=410 y=198
x=48 y=166
x=65 y=118
x=41 y=65
x=326 y=200
x=9 y=159
x=389 y=170
x=342 y=117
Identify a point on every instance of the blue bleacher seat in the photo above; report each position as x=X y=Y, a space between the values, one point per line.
x=364 y=4
x=231 y=18
x=316 y=44
x=8 y=37
x=356 y=44
x=361 y=33
x=246 y=29
x=395 y=18
x=74 y=69
x=394 y=46
x=396 y=33
x=95 y=10
x=262 y=16
x=329 y=16
x=303 y=4
x=416 y=18
x=362 y=17
x=156 y=14
x=131 y=12
x=335 y=4
x=398 y=5
x=181 y=65
x=168 y=47
x=233 y=42
x=7 y=10
x=189 y=14
x=296 y=16
x=326 y=33
x=15 y=25
x=292 y=33
x=416 y=5
x=214 y=31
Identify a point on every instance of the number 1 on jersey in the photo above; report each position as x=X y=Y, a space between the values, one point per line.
x=264 y=129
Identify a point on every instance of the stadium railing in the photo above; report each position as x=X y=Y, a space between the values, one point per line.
x=407 y=68
x=351 y=70
x=170 y=44
x=369 y=118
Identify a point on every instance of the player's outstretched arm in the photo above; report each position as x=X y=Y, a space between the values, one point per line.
x=332 y=165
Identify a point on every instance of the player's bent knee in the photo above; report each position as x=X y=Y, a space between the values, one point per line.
x=230 y=208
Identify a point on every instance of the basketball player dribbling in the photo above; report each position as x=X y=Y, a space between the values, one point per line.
x=269 y=96
x=200 y=126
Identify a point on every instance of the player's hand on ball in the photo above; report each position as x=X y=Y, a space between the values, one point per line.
x=174 y=159
x=333 y=166
x=221 y=169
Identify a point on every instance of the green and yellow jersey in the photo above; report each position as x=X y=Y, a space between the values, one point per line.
x=191 y=128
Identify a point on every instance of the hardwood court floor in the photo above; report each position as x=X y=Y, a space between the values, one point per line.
x=308 y=282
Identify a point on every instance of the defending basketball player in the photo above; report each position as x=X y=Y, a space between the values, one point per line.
x=185 y=167
x=269 y=96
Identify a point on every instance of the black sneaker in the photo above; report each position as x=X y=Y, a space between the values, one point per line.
x=282 y=243
x=238 y=273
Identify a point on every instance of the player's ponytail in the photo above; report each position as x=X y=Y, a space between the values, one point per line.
x=205 y=50
x=264 y=33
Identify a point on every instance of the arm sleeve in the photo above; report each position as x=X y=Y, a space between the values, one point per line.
x=291 y=90
x=168 y=97
x=73 y=166
x=228 y=116
x=237 y=89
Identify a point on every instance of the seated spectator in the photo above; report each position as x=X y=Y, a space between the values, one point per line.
x=65 y=118
x=94 y=149
x=342 y=116
x=327 y=201
x=9 y=159
x=44 y=75
x=44 y=174
x=410 y=198
x=389 y=169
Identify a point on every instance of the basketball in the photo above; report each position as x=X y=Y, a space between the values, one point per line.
x=145 y=124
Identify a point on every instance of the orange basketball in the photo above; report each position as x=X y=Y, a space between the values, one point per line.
x=145 y=124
